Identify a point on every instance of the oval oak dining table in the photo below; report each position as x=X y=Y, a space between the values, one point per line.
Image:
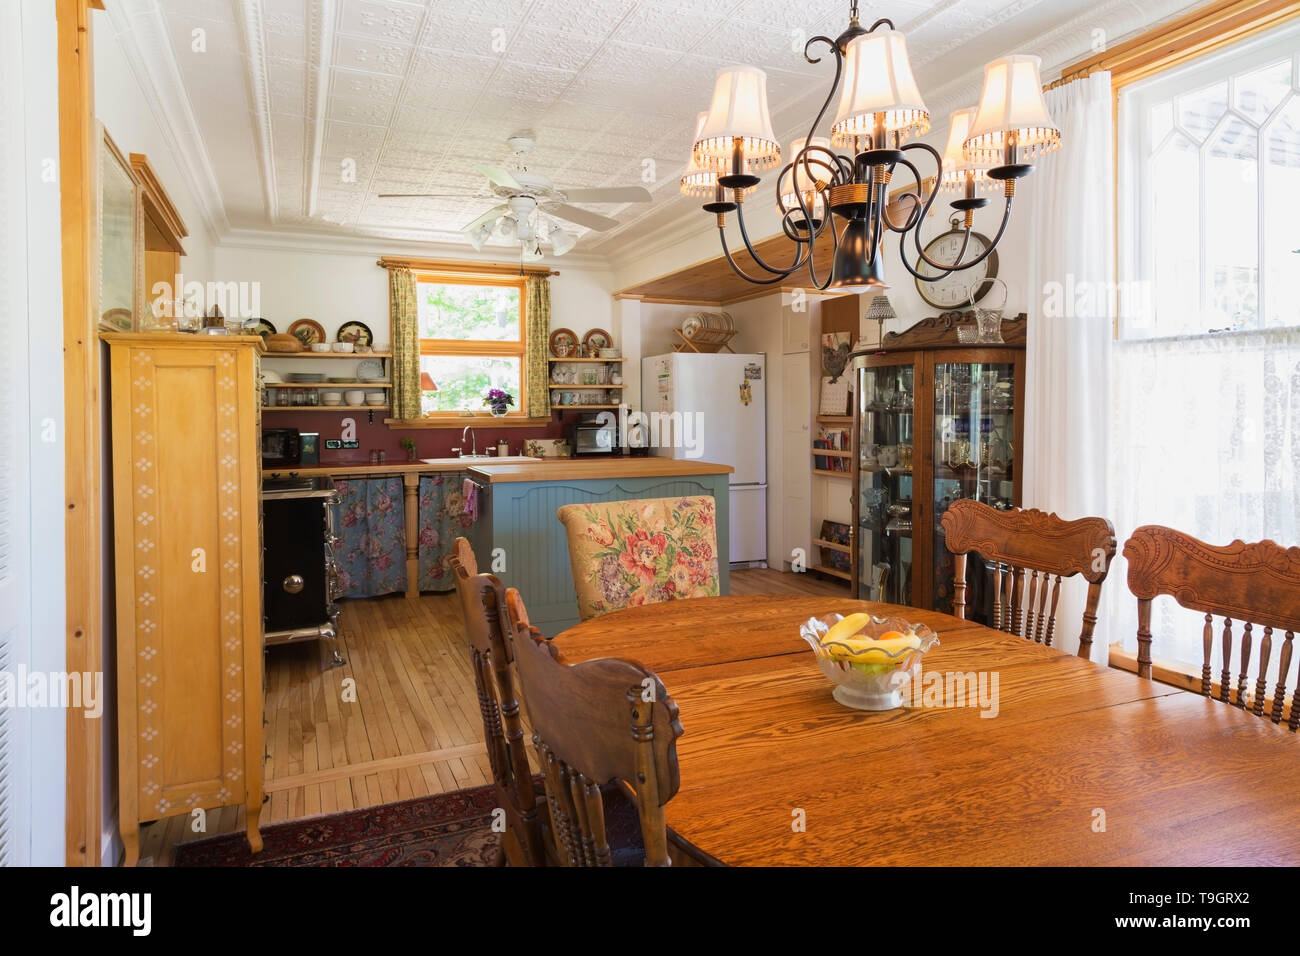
x=1082 y=765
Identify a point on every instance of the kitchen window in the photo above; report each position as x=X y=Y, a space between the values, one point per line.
x=472 y=339
x=1205 y=431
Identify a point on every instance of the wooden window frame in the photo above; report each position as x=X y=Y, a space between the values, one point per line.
x=479 y=347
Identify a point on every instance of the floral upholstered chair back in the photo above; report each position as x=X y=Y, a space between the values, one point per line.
x=627 y=553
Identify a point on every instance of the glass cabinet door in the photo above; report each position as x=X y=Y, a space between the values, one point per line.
x=974 y=457
x=886 y=398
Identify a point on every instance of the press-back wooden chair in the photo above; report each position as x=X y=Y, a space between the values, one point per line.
x=1033 y=545
x=1256 y=584
x=482 y=599
x=598 y=722
x=641 y=551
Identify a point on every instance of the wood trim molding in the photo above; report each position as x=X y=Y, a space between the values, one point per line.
x=464 y=267
x=1167 y=45
x=158 y=205
x=83 y=527
x=476 y=421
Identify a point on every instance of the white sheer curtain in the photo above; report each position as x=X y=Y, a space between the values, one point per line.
x=1071 y=271
x=1206 y=439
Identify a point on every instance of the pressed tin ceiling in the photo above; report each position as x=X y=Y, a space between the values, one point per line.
x=308 y=109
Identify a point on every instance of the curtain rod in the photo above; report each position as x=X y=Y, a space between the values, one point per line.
x=464 y=267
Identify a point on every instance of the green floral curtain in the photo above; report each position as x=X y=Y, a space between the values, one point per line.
x=537 y=370
x=404 y=315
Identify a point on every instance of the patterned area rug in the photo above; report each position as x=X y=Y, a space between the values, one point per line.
x=449 y=829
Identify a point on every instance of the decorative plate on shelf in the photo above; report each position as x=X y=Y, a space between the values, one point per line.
x=692 y=324
x=597 y=339
x=563 y=342
x=371 y=370
x=358 y=333
x=264 y=328
x=308 y=332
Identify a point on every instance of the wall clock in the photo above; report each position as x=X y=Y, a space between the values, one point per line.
x=952 y=292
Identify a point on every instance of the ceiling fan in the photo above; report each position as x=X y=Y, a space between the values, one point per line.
x=532 y=204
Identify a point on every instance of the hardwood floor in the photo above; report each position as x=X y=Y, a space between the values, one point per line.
x=399 y=720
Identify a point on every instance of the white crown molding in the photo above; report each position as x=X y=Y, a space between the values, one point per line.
x=140 y=31
x=321 y=19
x=283 y=240
x=252 y=28
x=1065 y=44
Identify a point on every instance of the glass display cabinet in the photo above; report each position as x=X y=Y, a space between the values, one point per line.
x=935 y=420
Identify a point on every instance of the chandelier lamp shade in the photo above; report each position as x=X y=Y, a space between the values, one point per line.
x=959 y=173
x=835 y=185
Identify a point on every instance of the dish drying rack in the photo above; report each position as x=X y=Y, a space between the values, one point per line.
x=704 y=340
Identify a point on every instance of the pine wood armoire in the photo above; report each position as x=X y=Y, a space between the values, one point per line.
x=188 y=539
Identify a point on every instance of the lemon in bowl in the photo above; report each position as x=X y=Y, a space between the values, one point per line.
x=868 y=659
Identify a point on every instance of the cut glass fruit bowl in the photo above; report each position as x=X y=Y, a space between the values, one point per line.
x=868 y=659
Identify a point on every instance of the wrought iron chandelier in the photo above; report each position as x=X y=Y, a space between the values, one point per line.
x=879 y=109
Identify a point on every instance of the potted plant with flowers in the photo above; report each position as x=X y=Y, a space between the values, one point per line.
x=498 y=401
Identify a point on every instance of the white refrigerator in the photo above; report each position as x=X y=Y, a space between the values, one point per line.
x=712 y=407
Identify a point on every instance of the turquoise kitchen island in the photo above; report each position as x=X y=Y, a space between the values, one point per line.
x=518 y=537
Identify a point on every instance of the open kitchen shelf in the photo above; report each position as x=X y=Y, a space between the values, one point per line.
x=833 y=474
x=578 y=408
x=834 y=546
x=833 y=572
x=325 y=408
x=835 y=419
x=570 y=359
x=582 y=388
x=359 y=356
x=331 y=386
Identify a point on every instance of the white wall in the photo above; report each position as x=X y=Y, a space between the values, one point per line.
x=304 y=281
x=32 y=597
x=123 y=106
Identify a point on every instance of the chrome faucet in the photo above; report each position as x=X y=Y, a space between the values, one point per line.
x=469 y=430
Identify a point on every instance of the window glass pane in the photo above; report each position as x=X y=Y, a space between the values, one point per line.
x=1259 y=92
x=1175 y=237
x=1231 y=228
x=1282 y=219
x=463 y=380
x=468 y=312
x=1198 y=112
x=1162 y=121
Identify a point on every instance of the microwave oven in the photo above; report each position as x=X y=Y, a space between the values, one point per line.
x=591 y=437
x=281 y=448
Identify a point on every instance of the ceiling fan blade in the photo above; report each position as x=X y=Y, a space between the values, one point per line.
x=491 y=215
x=611 y=194
x=501 y=177
x=592 y=220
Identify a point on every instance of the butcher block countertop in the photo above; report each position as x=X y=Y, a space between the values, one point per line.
x=537 y=469
x=584 y=469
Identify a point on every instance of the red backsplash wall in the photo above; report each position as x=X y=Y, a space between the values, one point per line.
x=429 y=442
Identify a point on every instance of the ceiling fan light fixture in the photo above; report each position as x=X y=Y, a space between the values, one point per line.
x=561 y=241
x=479 y=236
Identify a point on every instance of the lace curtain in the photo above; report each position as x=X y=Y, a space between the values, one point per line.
x=1205 y=438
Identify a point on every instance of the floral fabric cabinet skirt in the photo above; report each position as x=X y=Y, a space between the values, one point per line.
x=370 y=520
